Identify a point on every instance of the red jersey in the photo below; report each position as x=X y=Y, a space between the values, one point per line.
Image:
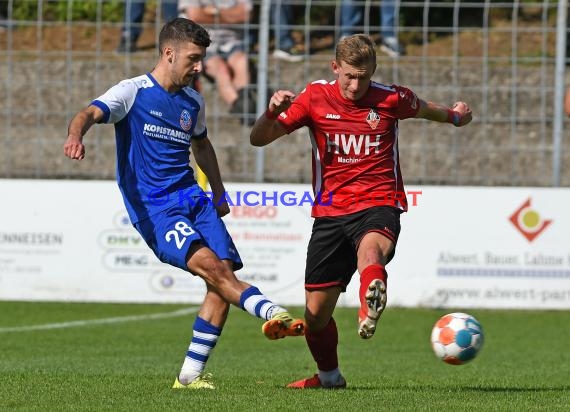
x=355 y=145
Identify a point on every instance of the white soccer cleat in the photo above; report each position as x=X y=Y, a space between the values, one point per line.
x=376 y=297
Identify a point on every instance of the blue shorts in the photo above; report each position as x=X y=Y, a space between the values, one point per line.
x=171 y=232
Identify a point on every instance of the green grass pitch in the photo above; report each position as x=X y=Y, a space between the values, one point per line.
x=125 y=366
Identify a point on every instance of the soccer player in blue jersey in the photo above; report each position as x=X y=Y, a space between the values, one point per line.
x=157 y=118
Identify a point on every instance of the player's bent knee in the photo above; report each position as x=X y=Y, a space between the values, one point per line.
x=216 y=273
x=316 y=323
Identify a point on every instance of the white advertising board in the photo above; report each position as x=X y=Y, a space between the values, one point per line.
x=484 y=247
x=73 y=241
x=459 y=247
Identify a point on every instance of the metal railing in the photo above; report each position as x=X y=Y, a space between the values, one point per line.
x=506 y=59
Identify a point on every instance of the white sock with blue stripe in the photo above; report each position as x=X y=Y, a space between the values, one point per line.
x=257 y=304
x=204 y=339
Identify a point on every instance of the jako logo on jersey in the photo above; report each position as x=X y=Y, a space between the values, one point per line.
x=332 y=116
x=373 y=119
x=156 y=113
x=185 y=120
x=353 y=144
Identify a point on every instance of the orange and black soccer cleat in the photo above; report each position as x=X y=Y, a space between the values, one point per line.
x=282 y=325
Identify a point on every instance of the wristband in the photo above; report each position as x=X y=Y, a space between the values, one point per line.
x=270 y=115
x=453 y=117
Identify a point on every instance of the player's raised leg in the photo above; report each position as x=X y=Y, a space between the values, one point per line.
x=279 y=322
x=219 y=274
x=373 y=299
x=374 y=250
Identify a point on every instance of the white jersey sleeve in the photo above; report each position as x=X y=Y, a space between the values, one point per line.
x=118 y=100
x=201 y=120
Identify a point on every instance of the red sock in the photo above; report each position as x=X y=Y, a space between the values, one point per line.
x=322 y=345
x=369 y=273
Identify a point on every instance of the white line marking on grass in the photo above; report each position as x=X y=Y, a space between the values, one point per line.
x=80 y=323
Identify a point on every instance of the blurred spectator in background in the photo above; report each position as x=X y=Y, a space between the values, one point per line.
x=3 y=15
x=567 y=95
x=567 y=102
x=351 y=17
x=226 y=59
x=281 y=19
x=132 y=26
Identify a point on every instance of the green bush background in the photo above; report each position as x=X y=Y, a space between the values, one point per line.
x=111 y=10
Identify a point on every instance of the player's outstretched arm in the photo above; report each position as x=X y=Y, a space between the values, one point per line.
x=266 y=129
x=458 y=115
x=79 y=125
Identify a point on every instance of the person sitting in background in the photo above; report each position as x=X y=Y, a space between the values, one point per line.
x=351 y=17
x=226 y=60
x=132 y=26
x=281 y=17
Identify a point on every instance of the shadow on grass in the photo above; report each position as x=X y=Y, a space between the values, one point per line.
x=470 y=388
x=507 y=389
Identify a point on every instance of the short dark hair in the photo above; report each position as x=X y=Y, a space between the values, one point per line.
x=183 y=30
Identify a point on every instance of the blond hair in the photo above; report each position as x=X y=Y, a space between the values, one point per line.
x=357 y=50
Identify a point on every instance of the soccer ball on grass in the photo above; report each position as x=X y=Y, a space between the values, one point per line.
x=456 y=338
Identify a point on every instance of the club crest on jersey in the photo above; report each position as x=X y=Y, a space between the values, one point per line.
x=185 y=120
x=373 y=119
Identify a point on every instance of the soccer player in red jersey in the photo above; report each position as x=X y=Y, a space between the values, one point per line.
x=353 y=125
